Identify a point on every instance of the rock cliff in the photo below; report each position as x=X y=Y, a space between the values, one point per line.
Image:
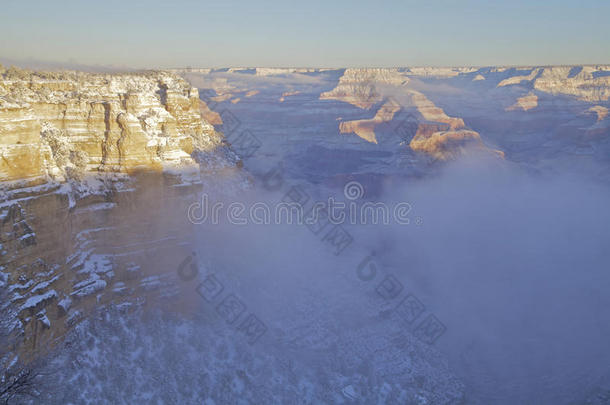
x=95 y=170
x=358 y=86
x=524 y=103
x=365 y=128
x=438 y=135
x=587 y=83
x=56 y=126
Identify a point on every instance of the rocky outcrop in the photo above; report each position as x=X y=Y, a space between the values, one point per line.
x=519 y=78
x=365 y=129
x=358 y=86
x=59 y=125
x=587 y=83
x=438 y=71
x=288 y=94
x=443 y=137
x=601 y=128
x=524 y=103
x=93 y=169
x=600 y=111
x=439 y=135
x=283 y=71
x=448 y=144
x=208 y=115
x=61 y=261
x=430 y=112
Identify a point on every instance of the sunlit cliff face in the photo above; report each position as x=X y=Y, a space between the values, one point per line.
x=94 y=170
x=68 y=124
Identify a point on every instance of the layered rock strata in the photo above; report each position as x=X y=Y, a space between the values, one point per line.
x=96 y=171
x=57 y=126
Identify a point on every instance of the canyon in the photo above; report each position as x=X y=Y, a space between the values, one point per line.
x=98 y=172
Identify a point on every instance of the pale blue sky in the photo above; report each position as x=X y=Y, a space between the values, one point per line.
x=306 y=33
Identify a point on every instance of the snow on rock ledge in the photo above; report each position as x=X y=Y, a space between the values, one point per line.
x=58 y=126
